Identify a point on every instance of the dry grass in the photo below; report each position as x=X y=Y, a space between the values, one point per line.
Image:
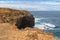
x=11 y=32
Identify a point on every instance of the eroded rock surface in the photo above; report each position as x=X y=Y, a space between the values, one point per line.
x=21 y=18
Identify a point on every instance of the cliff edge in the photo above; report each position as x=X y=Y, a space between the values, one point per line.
x=20 y=18
x=11 y=21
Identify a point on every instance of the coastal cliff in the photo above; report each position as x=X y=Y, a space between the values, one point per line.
x=11 y=20
x=20 y=18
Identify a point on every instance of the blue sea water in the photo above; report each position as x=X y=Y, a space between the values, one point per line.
x=48 y=17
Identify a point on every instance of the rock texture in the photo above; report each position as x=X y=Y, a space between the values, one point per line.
x=25 y=21
x=20 y=18
x=11 y=20
x=11 y=32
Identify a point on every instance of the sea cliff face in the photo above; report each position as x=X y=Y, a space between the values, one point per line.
x=20 y=18
x=10 y=21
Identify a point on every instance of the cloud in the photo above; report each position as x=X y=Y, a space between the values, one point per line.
x=19 y=6
x=32 y=6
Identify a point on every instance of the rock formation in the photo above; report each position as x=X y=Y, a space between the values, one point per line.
x=21 y=18
x=26 y=21
x=11 y=20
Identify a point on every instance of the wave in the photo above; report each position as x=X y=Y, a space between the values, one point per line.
x=43 y=24
x=39 y=19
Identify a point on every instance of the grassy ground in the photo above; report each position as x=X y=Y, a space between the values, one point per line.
x=11 y=32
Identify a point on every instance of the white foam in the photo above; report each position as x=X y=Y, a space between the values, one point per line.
x=37 y=19
x=43 y=25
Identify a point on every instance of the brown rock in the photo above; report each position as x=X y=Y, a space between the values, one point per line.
x=21 y=18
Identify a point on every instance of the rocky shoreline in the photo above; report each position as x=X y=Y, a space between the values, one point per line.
x=11 y=20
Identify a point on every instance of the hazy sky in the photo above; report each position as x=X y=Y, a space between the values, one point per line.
x=32 y=5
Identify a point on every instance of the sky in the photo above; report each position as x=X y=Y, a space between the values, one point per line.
x=32 y=5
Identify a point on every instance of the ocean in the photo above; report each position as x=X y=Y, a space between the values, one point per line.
x=46 y=19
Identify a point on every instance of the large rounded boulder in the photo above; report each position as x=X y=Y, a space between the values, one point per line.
x=20 y=18
x=25 y=21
